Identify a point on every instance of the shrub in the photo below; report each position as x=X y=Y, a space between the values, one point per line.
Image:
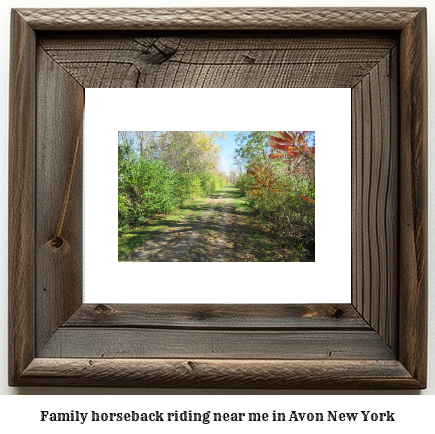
x=210 y=182
x=284 y=200
x=149 y=187
x=243 y=182
x=145 y=188
x=188 y=186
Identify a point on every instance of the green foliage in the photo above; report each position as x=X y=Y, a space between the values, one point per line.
x=210 y=182
x=281 y=191
x=243 y=183
x=145 y=188
x=253 y=147
x=189 y=186
x=148 y=187
x=134 y=237
x=183 y=151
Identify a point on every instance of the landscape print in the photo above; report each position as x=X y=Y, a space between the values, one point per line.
x=216 y=196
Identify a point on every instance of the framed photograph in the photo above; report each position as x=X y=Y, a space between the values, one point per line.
x=216 y=235
x=375 y=341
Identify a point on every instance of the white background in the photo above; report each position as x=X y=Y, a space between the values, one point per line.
x=328 y=280
x=22 y=412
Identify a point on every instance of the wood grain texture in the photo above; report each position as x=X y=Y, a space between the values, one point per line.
x=240 y=374
x=388 y=300
x=236 y=60
x=220 y=317
x=375 y=198
x=413 y=187
x=21 y=197
x=140 y=342
x=220 y=18
x=60 y=105
x=379 y=342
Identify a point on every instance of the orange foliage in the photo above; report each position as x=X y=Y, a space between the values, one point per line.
x=291 y=145
x=263 y=181
x=307 y=199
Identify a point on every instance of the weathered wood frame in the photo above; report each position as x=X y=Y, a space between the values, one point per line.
x=377 y=341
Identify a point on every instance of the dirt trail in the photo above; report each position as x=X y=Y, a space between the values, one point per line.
x=216 y=235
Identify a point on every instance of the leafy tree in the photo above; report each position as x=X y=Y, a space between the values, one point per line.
x=144 y=142
x=159 y=171
x=233 y=177
x=187 y=151
x=279 y=184
x=294 y=148
x=253 y=147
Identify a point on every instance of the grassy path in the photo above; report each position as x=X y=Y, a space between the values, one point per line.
x=217 y=229
x=177 y=242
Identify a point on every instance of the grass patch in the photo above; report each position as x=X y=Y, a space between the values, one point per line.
x=134 y=238
x=213 y=222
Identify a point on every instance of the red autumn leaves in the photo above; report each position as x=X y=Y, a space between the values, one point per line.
x=292 y=146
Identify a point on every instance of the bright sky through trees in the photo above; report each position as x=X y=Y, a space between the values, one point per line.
x=228 y=150
x=229 y=147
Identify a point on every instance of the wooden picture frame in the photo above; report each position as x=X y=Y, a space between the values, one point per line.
x=377 y=341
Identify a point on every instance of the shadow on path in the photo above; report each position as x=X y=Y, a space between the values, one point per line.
x=207 y=238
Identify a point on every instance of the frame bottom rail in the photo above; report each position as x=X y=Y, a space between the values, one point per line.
x=200 y=373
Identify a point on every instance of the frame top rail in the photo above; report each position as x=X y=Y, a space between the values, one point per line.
x=220 y=18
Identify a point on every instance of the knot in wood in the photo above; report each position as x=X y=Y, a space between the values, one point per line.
x=58 y=244
x=103 y=309
x=338 y=313
x=249 y=58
